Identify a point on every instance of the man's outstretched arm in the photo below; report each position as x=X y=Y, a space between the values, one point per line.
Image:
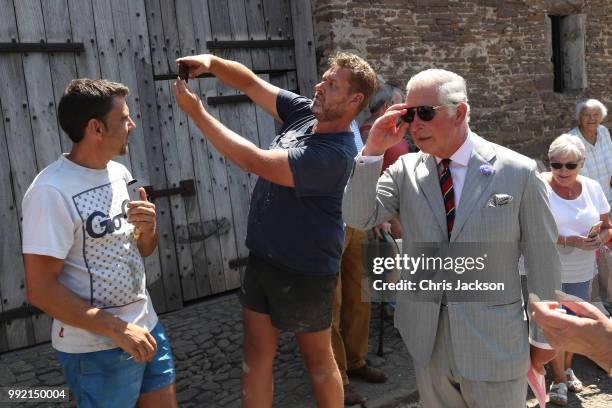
x=237 y=76
x=589 y=332
x=273 y=165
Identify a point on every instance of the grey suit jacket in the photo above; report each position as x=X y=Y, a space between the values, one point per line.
x=490 y=339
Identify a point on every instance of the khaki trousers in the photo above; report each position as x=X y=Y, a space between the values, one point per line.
x=441 y=385
x=351 y=316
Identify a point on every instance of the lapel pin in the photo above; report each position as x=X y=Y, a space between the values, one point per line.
x=487 y=170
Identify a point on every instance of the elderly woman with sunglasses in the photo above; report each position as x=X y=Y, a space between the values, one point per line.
x=578 y=204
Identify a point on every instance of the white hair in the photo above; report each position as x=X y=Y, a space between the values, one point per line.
x=566 y=145
x=452 y=89
x=591 y=103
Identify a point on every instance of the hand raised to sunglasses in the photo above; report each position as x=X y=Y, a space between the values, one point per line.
x=385 y=131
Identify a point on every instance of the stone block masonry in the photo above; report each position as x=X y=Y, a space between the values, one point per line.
x=502 y=48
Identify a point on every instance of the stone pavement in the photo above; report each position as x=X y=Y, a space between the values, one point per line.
x=597 y=392
x=206 y=339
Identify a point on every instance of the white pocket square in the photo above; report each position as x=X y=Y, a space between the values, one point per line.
x=497 y=200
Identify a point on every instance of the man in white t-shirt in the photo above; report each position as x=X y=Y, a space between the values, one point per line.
x=83 y=243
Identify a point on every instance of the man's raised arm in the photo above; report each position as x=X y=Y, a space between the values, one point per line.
x=237 y=76
x=273 y=165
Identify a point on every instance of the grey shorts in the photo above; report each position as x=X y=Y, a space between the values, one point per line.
x=296 y=303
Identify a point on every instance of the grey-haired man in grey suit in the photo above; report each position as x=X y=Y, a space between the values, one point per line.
x=464 y=193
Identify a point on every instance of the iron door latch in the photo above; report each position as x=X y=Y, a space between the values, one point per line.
x=186 y=188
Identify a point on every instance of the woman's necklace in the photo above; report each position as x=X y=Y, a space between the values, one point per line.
x=567 y=192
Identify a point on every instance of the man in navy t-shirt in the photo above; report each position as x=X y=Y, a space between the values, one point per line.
x=295 y=228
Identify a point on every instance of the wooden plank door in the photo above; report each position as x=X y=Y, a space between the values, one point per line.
x=218 y=193
x=41 y=104
x=223 y=18
x=21 y=154
x=178 y=162
x=206 y=246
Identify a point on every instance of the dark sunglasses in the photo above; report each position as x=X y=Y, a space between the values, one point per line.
x=559 y=166
x=425 y=113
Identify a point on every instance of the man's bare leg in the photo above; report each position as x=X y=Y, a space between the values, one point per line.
x=324 y=374
x=259 y=348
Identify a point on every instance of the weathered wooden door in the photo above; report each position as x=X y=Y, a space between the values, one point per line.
x=202 y=200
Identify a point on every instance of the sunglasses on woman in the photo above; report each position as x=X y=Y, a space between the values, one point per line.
x=425 y=113
x=559 y=166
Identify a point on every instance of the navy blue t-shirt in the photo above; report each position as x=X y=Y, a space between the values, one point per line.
x=300 y=229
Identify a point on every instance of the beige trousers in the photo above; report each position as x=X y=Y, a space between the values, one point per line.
x=351 y=316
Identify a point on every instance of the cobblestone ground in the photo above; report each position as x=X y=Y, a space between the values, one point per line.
x=206 y=340
x=597 y=392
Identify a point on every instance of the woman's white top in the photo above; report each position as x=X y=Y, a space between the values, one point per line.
x=576 y=217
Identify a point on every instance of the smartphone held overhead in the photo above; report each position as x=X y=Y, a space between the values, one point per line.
x=183 y=72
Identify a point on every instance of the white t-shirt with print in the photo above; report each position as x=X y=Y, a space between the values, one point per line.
x=576 y=217
x=78 y=214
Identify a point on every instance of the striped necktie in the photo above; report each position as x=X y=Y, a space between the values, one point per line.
x=446 y=184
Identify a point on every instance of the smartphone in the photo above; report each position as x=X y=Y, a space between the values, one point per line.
x=133 y=186
x=593 y=231
x=183 y=72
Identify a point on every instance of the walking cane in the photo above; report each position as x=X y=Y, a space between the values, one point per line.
x=387 y=238
x=381 y=330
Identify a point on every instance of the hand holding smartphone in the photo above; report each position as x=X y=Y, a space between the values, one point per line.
x=594 y=231
x=183 y=72
x=134 y=187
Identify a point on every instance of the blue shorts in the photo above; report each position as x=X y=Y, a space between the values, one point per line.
x=579 y=289
x=111 y=378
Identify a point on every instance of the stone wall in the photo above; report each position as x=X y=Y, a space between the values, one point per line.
x=502 y=48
